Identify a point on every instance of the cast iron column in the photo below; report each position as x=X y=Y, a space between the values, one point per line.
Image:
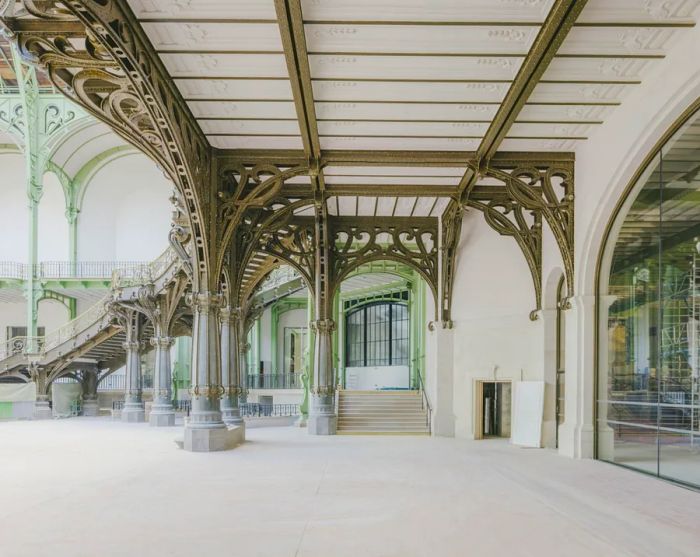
x=230 y=411
x=162 y=412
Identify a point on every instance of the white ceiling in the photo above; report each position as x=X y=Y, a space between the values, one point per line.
x=406 y=74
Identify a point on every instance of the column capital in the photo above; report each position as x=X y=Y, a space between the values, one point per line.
x=323 y=326
x=205 y=302
x=230 y=314
x=162 y=342
x=134 y=345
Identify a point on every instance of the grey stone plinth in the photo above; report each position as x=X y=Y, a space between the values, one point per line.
x=161 y=419
x=133 y=414
x=42 y=410
x=91 y=408
x=322 y=424
x=212 y=439
x=231 y=416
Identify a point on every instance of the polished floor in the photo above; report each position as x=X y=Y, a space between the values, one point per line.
x=91 y=487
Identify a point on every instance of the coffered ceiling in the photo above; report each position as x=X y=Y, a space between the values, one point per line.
x=403 y=74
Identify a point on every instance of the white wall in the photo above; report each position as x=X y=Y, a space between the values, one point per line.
x=125 y=213
x=493 y=298
x=52 y=315
x=14 y=217
x=53 y=244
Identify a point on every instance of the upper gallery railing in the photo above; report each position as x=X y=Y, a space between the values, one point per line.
x=69 y=269
x=130 y=274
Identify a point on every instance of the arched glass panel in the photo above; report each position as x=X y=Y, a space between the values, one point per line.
x=648 y=412
x=377 y=335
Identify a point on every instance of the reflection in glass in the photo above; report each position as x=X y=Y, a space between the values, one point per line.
x=648 y=367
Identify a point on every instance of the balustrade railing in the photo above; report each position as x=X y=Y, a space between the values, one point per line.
x=122 y=273
x=275 y=381
x=256 y=409
x=144 y=273
x=70 y=269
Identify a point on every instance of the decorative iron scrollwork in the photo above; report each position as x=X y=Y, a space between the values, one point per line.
x=509 y=218
x=359 y=240
x=113 y=72
x=535 y=189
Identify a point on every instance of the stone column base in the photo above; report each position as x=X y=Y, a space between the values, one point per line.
x=204 y=440
x=42 y=410
x=231 y=418
x=161 y=419
x=322 y=424
x=91 y=408
x=133 y=414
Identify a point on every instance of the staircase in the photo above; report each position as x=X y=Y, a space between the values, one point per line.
x=382 y=412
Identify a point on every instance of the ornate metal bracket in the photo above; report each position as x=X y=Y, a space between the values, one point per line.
x=113 y=72
x=508 y=218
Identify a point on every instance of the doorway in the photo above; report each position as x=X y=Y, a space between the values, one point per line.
x=493 y=409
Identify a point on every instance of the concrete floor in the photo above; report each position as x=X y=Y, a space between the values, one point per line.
x=92 y=487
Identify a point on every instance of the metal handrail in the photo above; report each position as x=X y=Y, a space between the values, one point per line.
x=424 y=394
x=69 y=269
x=268 y=410
x=78 y=325
x=146 y=273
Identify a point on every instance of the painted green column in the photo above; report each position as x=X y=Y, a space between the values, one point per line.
x=274 y=326
x=307 y=377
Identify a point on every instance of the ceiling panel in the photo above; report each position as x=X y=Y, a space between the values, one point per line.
x=393 y=171
x=574 y=93
x=402 y=143
x=354 y=91
x=550 y=130
x=534 y=11
x=423 y=206
x=253 y=89
x=365 y=206
x=243 y=109
x=199 y=36
x=639 y=11
x=398 y=129
x=510 y=144
x=452 y=39
x=597 y=69
x=250 y=127
x=392 y=180
x=385 y=206
x=439 y=207
x=254 y=142
x=203 y=9
x=405 y=111
x=225 y=65
x=353 y=66
x=404 y=206
x=616 y=40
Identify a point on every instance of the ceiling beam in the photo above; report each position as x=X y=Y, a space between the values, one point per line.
x=370 y=189
x=292 y=157
x=554 y=30
x=291 y=24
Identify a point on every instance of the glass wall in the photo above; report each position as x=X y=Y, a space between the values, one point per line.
x=377 y=335
x=648 y=411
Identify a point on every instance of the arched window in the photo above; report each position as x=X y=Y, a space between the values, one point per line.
x=649 y=355
x=377 y=335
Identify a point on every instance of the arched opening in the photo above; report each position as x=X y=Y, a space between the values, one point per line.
x=648 y=415
x=380 y=311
